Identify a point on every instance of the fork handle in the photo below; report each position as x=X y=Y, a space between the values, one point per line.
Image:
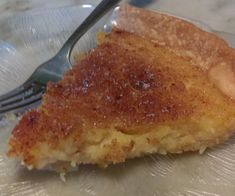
x=97 y=13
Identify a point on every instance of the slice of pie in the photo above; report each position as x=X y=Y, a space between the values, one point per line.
x=155 y=84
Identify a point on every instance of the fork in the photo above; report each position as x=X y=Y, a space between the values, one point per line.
x=30 y=92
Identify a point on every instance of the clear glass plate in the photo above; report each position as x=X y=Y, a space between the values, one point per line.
x=28 y=39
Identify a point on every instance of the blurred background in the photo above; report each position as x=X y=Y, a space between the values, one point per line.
x=219 y=14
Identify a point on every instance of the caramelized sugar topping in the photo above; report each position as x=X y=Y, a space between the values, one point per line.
x=126 y=84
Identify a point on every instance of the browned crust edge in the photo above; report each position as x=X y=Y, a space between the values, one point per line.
x=203 y=49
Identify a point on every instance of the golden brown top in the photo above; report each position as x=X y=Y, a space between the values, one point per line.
x=127 y=84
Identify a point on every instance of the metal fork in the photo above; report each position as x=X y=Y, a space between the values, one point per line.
x=31 y=91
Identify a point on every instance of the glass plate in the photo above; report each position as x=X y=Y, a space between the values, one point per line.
x=28 y=39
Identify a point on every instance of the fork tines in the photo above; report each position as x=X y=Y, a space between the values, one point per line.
x=25 y=95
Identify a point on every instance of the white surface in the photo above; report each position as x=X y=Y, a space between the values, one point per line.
x=220 y=14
